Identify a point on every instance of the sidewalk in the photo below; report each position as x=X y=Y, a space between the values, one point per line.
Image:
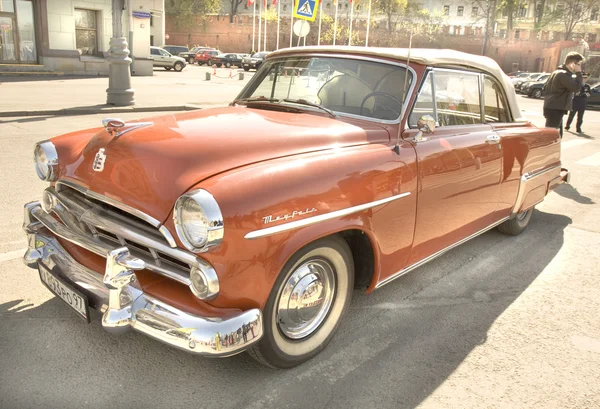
x=165 y=91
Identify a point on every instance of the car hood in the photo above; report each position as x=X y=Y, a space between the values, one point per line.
x=149 y=167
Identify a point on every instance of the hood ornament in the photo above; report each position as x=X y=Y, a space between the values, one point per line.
x=117 y=127
x=112 y=125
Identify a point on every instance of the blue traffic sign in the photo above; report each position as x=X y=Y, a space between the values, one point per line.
x=306 y=9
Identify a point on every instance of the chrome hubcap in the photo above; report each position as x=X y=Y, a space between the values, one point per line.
x=306 y=299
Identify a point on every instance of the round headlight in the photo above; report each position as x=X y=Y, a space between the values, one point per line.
x=193 y=222
x=198 y=220
x=46 y=160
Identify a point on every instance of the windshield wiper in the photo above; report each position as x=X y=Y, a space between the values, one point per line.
x=255 y=99
x=312 y=104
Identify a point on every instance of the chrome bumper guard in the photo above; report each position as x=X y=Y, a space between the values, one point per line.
x=119 y=297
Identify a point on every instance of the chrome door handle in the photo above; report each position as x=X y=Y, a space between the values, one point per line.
x=492 y=139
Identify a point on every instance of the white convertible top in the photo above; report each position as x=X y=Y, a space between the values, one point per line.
x=426 y=56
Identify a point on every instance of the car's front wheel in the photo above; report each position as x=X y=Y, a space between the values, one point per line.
x=178 y=66
x=516 y=225
x=306 y=304
x=228 y=64
x=537 y=93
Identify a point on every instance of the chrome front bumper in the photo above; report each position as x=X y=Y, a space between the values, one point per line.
x=119 y=297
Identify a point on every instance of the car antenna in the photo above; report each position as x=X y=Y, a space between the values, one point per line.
x=397 y=146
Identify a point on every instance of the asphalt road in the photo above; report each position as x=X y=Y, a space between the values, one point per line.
x=499 y=322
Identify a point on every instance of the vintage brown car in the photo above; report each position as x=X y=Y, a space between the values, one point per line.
x=356 y=166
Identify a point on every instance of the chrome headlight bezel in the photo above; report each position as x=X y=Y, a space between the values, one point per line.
x=48 y=149
x=212 y=213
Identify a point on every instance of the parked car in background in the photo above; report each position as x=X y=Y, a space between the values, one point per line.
x=534 y=89
x=532 y=78
x=593 y=100
x=175 y=49
x=515 y=73
x=254 y=62
x=162 y=58
x=227 y=60
x=189 y=55
x=520 y=77
x=205 y=56
x=178 y=228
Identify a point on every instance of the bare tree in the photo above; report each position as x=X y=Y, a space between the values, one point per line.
x=234 y=8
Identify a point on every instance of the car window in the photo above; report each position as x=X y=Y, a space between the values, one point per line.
x=494 y=101
x=364 y=88
x=164 y=53
x=457 y=99
x=154 y=51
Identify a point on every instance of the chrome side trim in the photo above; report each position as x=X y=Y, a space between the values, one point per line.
x=119 y=297
x=133 y=211
x=525 y=179
x=316 y=219
x=435 y=255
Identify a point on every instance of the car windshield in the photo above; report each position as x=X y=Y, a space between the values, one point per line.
x=259 y=55
x=344 y=86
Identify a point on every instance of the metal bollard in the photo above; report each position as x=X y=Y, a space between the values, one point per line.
x=208 y=76
x=241 y=76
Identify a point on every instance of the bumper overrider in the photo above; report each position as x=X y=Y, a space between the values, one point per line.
x=121 y=300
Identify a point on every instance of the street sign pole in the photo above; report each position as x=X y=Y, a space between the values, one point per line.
x=119 y=91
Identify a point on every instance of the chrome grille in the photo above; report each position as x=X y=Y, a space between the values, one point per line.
x=114 y=226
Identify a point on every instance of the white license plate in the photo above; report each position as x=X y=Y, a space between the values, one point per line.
x=73 y=298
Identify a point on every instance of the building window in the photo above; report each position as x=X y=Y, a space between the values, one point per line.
x=517 y=34
x=86 y=31
x=446 y=10
x=522 y=11
x=151 y=40
x=151 y=21
x=474 y=11
x=594 y=15
x=460 y=11
x=592 y=38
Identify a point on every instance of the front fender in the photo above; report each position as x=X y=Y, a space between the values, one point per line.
x=296 y=188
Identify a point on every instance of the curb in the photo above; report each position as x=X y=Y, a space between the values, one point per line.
x=99 y=110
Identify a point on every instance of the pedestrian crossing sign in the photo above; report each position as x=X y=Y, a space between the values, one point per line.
x=306 y=9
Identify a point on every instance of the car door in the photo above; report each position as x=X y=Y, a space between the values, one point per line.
x=155 y=55
x=165 y=58
x=594 y=98
x=459 y=164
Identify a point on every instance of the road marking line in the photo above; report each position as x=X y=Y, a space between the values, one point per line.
x=573 y=143
x=11 y=255
x=592 y=160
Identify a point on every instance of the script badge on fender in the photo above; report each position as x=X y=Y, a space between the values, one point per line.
x=99 y=160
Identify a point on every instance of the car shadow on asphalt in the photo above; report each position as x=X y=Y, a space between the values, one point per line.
x=406 y=339
x=568 y=191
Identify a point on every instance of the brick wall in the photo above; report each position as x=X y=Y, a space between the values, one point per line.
x=218 y=32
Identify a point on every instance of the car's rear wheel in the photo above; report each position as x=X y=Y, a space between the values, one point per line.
x=246 y=69
x=537 y=93
x=219 y=65
x=518 y=224
x=168 y=68
x=178 y=66
x=306 y=304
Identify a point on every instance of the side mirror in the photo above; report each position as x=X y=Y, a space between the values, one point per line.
x=426 y=125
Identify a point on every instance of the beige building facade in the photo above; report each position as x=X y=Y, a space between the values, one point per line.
x=73 y=36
